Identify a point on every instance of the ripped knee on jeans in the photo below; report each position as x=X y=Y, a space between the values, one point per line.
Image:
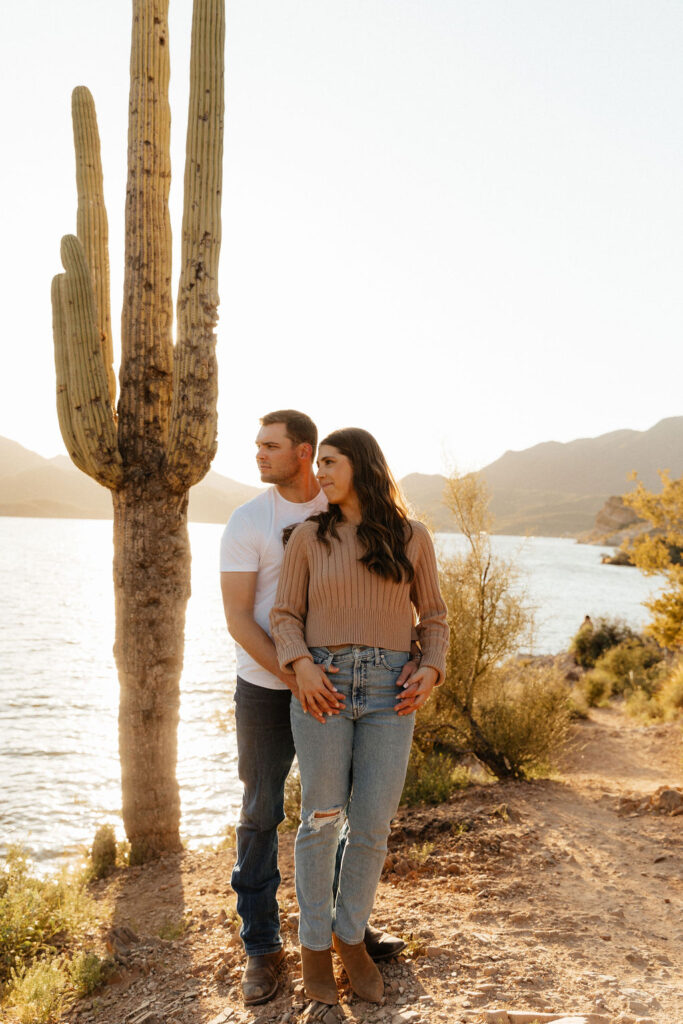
x=318 y=819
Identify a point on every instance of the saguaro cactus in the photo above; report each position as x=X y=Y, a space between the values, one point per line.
x=163 y=437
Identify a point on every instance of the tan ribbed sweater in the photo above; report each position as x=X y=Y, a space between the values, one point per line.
x=326 y=596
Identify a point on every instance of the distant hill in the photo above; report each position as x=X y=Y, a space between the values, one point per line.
x=33 y=486
x=556 y=490
x=424 y=491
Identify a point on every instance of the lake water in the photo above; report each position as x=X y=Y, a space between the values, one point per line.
x=59 y=770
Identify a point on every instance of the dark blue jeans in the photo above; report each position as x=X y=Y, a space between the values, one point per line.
x=265 y=751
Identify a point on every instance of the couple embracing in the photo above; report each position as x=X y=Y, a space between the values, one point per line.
x=331 y=594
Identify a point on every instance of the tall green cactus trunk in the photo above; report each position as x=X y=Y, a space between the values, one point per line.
x=163 y=438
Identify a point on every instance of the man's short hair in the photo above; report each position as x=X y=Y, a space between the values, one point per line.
x=299 y=427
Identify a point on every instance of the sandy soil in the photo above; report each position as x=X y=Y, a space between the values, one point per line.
x=559 y=896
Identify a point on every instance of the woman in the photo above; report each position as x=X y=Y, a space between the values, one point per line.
x=352 y=581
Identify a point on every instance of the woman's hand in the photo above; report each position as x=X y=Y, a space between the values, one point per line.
x=317 y=694
x=410 y=667
x=416 y=691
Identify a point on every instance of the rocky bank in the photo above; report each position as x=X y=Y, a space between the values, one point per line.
x=519 y=902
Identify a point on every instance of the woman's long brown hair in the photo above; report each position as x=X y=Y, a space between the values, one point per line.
x=384 y=529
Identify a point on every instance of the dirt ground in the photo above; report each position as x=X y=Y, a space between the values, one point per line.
x=561 y=896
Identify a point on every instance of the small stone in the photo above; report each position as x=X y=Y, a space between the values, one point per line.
x=667 y=800
x=222 y=1018
x=406 y=1017
x=638 y=1007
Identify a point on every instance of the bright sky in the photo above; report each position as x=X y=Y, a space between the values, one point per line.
x=457 y=223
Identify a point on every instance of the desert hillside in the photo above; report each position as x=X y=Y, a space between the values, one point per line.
x=33 y=486
x=556 y=490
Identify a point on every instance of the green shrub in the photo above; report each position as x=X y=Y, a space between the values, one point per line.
x=527 y=718
x=632 y=665
x=88 y=972
x=596 y=687
x=664 y=704
x=103 y=852
x=292 y=800
x=512 y=716
x=578 y=704
x=593 y=639
x=670 y=695
x=642 y=706
x=37 y=915
x=37 y=991
x=432 y=778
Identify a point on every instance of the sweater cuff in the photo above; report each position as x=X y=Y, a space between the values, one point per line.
x=437 y=663
x=288 y=653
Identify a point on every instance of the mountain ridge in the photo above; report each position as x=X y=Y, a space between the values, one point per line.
x=551 y=489
x=36 y=487
x=557 y=488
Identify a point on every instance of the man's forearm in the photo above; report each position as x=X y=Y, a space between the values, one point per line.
x=258 y=645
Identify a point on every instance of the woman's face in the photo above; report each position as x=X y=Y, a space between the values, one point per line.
x=335 y=474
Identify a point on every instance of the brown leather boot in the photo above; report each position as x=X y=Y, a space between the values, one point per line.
x=259 y=981
x=366 y=981
x=380 y=945
x=319 y=983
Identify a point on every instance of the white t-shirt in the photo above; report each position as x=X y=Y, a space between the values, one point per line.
x=252 y=542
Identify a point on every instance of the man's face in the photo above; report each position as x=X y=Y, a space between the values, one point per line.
x=277 y=458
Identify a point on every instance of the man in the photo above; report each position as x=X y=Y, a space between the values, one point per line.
x=251 y=555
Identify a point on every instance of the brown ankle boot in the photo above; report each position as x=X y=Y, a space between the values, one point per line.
x=366 y=981
x=319 y=983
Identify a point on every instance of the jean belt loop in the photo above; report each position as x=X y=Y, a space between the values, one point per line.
x=377 y=658
x=328 y=660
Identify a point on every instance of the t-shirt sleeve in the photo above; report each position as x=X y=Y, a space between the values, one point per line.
x=239 y=545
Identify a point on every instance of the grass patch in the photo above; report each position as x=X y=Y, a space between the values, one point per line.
x=37 y=991
x=432 y=778
x=172 y=930
x=88 y=972
x=38 y=916
x=419 y=853
x=41 y=921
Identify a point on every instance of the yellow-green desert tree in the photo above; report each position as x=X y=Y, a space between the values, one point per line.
x=160 y=439
x=511 y=714
x=657 y=552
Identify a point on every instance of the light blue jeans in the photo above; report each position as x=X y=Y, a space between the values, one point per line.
x=354 y=765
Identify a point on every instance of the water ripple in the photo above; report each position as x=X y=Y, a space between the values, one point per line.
x=60 y=775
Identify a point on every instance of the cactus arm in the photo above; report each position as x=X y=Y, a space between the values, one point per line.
x=62 y=372
x=192 y=434
x=92 y=227
x=86 y=418
x=147 y=319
